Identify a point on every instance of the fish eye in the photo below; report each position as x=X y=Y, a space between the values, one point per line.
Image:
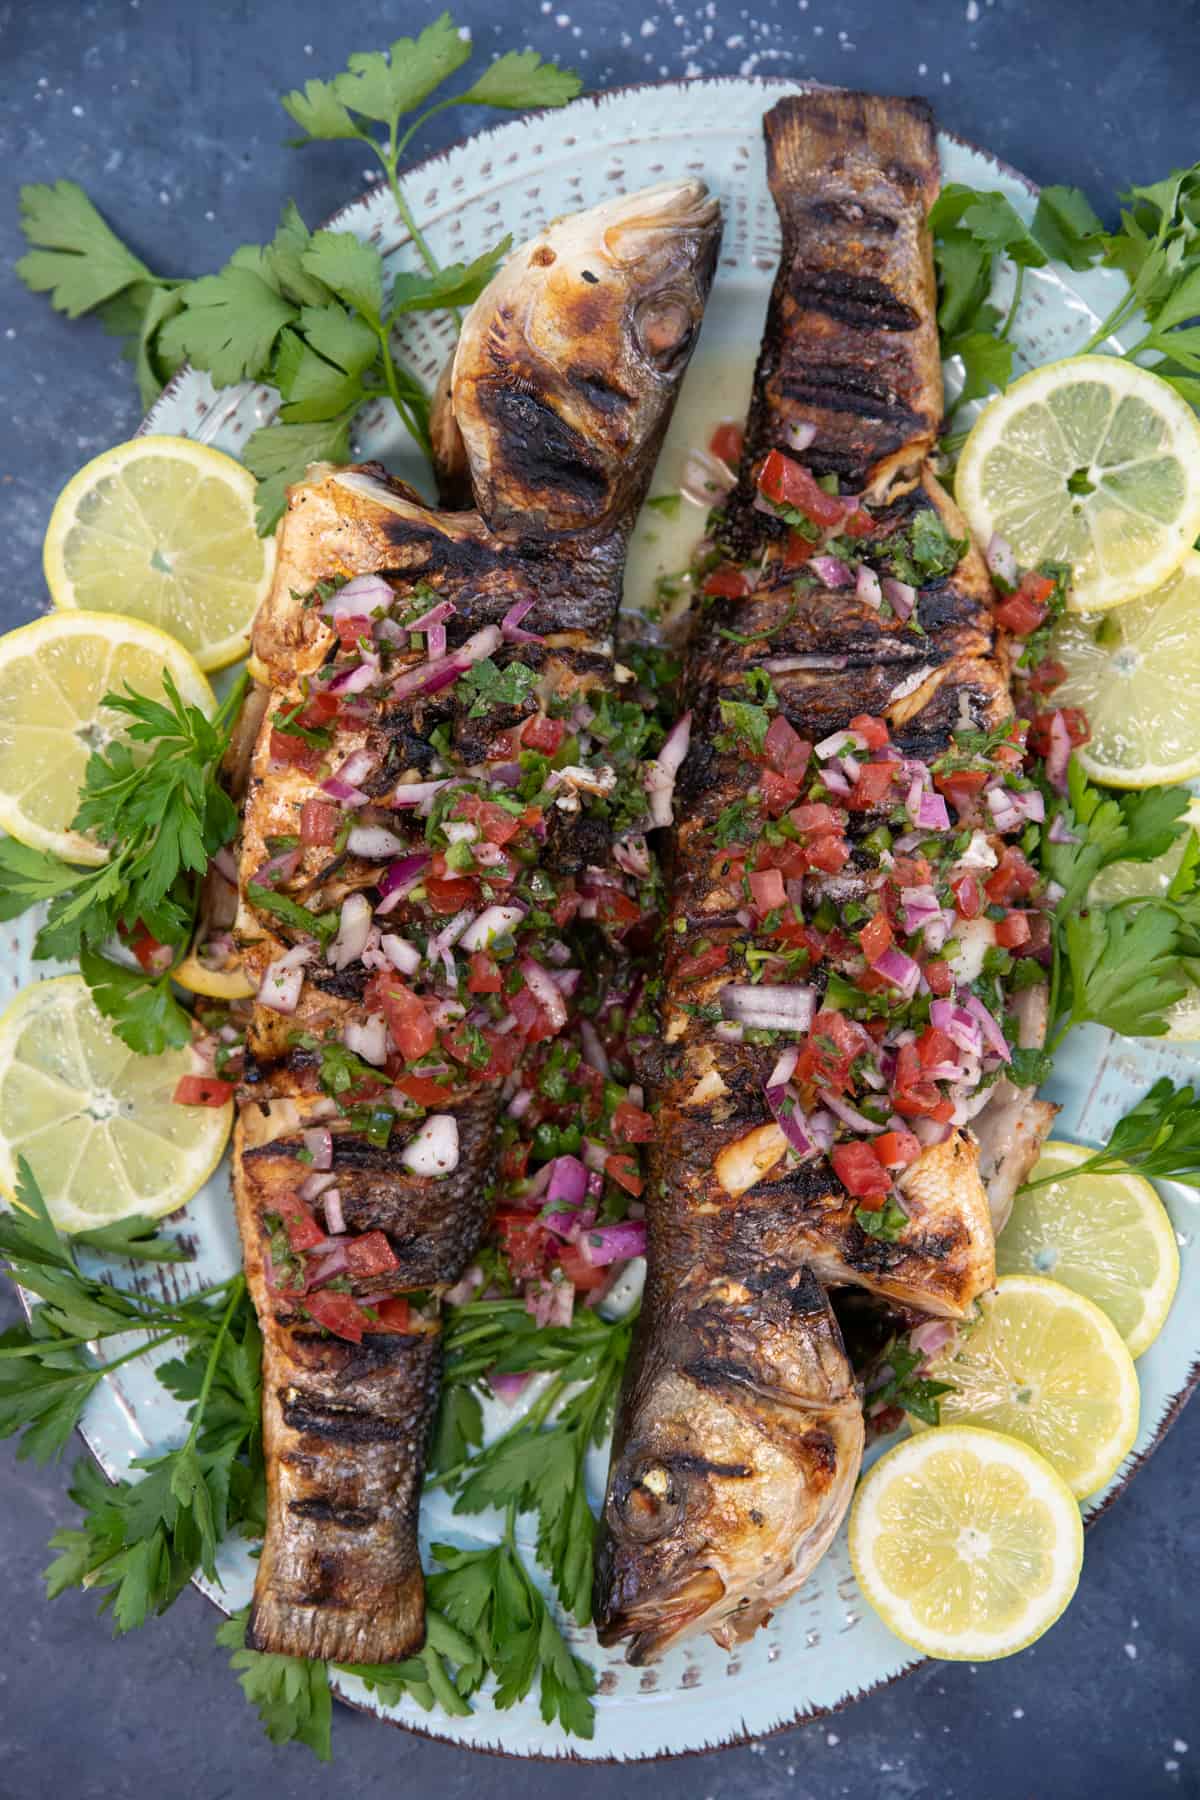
x=664 y=329
x=648 y=1500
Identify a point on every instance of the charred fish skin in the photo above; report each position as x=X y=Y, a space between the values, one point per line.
x=347 y=1417
x=849 y=369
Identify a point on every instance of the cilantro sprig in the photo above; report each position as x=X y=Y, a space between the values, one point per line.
x=161 y=816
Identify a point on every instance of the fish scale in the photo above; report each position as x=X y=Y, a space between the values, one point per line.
x=737 y=1349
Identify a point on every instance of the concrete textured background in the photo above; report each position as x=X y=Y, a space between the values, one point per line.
x=166 y=111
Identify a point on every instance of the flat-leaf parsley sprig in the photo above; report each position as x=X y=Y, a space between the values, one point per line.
x=1158 y=1138
x=162 y=816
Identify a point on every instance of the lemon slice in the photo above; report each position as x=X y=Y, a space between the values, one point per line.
x=1108 y=1237
x=163 y=528
x=966 y=1543
x=95 y=1121
x=1044 y=1365
x=1092 y=462
x=53 y=676
x=213 y=984
x=1136 y=673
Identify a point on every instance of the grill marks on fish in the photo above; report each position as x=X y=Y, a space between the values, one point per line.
x=738 y=1356
x=557 y=469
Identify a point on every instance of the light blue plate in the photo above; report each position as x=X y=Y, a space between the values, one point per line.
x=824 y=1647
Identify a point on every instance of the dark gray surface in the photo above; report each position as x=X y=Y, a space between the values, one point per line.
x=165 y=110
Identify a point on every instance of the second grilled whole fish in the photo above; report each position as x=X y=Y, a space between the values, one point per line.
x=423 y=790
x=835 y=1015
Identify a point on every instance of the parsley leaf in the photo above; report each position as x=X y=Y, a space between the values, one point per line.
x=888 y=1223
x=280 y=454
x=925 y=551
x=1159 y=1137
x=750 y=723
x=1124 y=969
x=1066 y=227
x=458 y=284
x=905 y=1388
x=144 y=1012
x=495 y=686
x=229 y=323
x=321 y=926
x=290 y=1693
x=76 y=258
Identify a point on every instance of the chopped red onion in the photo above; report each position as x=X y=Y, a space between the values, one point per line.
x=399 y=877
x=318 y=1141
x=368 y=1038
x=594 y=1053
x=428 y=677
x=929 y=1132
x=992 y=1034
x=337 y=789
x=538 y=981
x=402 y=955
x=785 y=1067
x=822 y=1128
x=728 y=1031
x=932 y=1335
x=784 y=665
x=900 y=970
x=838 y=742
x=507 y=1387
x=354 y=928
x=932 y=814
x=567 y=1185
x=832 y=571
x=706 y=479
x=335 y=1217
x=960 y=1026
x=313 y=1186
x=277 y=869
x=510 y=624
x=281 y=984
x=460 y=831
x=849 y=1115
x=1059 y=754
x=867 y=588
x=1001 y=559
x=223 y=862
x=800 y=434
x=520 y=1103
x=612 y=1243
x=632 y=854
x=359 y=598
x=374 y=842
x=788 y=1007
x=433 y=1150
x=550 y=1302
x=835 y=781
x=357 y=680
x=443 y=942
x=659 y=775
x=416 y=793
x=1060 y=832
x=492 y=923
x=899 y=596
x=595 y=1155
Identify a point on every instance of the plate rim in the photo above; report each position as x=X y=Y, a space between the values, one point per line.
x=342 y=215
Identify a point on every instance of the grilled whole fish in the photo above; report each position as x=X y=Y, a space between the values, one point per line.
x=820 y=874
x=392 y=825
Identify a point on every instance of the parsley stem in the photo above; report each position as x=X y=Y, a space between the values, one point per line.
x=238 y=1283
x=1013 y=304
x=416 y=427
x=535 y=1417
x=1113 y=323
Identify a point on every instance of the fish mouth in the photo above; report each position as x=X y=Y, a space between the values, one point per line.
x=653 y=1624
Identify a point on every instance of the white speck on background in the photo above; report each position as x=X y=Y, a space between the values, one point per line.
x=1170 y=1765
x=922 y=68
x=1131 y=1652
x=735 y=42
x=1018 y=1712
x=210 y=215
x=164 y=199
x=832 y=1739
x=626 y=40
x=10 y=333
x=1179 y=1747
x=945 y=78
x=972 y=11
x=77 y=112
x=561 y=19
x=649 y=27
x=308 y=49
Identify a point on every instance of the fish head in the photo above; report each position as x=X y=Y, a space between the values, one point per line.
x=735 y=1467
x=570 y=360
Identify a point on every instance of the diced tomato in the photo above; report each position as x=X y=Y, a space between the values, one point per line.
x=1036 y=588
x=789 y=483
x=728 y=583
x=778 y=792
x=495 y=823
x=829 y=854
x=339 y=1313
x=579 y=1272
x=449 y=893
x=319 y=822
x=896 y=1149
x=615 y=908
x=707 y=962
x=484 y=976
x=303 y=1232
x=632 y=1124
x=319 y=711
x=370 y=1254
x=523 y=1241
x=391 y=1315
x=875 y=937
x=423 y=1089
x=543 y=734
x=860 y=1172
x=1075 y=720
x=202 y=1090
x=829 y=1050
x=874 y=730
x=532 y=1022
x=962 y=788
x=351 y=627
x=152 y=956
x=1038 y=942
x=1047 y=675
x=796 y=550
x=1013 y=931
x=726 y=442
x=911 y=871
x=1020 y=614
x=935 y=1046
x=412 y=1029
x=939 y=976
x=968 y=900
x=293 y=750
x=767 y=887
x=912 y=1095
x=566 y=906
x=857 y=523
x=624 y=1171
x=784 y=749
x=817 y=818
x=505 y=1047
x=1011 y=879
x=514 y=1161
x=873 y=784
x=796 y=935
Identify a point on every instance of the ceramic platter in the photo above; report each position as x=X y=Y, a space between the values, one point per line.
x=824 y=1647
